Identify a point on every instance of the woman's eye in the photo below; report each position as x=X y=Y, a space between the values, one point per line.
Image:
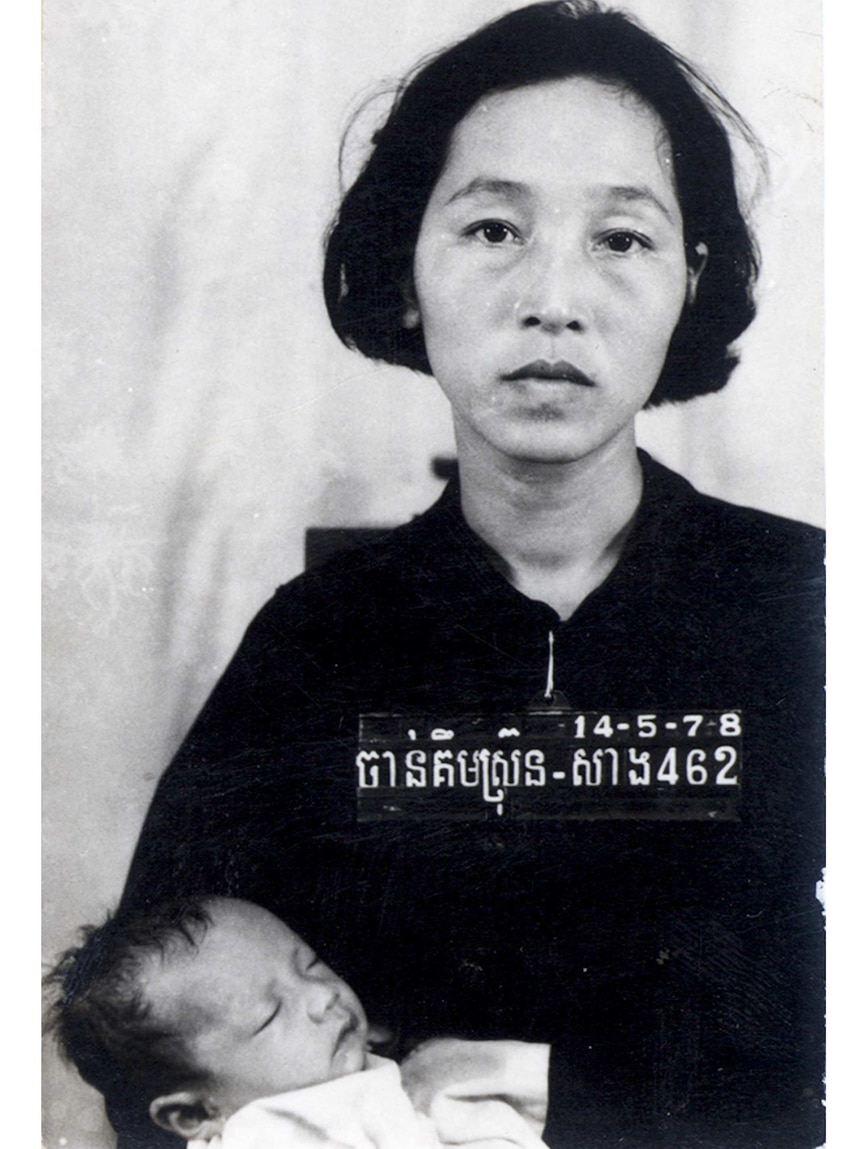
x=622 y=242
x=493 y=232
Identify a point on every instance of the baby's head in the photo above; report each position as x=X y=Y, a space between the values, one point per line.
x=199 y=1007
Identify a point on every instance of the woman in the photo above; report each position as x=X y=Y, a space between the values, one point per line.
x=492 y=765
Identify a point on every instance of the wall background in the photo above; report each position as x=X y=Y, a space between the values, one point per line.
x=198 y=411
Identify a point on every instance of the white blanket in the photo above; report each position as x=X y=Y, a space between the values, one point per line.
x=370 y=1110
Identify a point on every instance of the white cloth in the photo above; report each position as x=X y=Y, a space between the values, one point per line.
x=371 y=1110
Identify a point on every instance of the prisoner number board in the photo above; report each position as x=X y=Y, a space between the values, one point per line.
x=550 y=764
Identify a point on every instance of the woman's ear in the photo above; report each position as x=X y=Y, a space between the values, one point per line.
x=695 y=271
x=410 y=316
x=188 y=1114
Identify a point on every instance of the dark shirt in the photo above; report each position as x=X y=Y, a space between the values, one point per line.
x=674 y=965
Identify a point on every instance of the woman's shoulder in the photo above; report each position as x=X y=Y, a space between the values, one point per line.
x=684 y=537
x=715 y=531
x=372 y=572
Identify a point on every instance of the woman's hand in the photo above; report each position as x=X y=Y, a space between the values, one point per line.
x=445 y=1061
x=512 y=1071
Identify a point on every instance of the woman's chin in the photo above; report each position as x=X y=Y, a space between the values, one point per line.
x=551 y=446
x=545 y=438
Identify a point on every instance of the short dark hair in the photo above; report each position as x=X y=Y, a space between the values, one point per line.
x=369 y=248
x=100 y=1018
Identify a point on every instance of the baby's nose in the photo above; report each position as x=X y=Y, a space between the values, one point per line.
x=322 y=997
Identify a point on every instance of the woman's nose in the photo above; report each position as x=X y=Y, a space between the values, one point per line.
x=556 y=291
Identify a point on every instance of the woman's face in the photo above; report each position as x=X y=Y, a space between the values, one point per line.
x=550 y=270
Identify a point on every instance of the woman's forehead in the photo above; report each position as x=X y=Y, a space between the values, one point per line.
x=556 y=108
x=572 y=129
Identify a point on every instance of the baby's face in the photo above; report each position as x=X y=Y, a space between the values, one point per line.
x=259 y=1012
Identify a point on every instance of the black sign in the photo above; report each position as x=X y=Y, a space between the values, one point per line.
x=556 y=764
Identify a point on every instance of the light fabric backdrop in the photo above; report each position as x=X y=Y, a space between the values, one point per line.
x=199 y=412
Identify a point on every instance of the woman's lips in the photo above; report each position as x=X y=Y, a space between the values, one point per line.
x=560 y=371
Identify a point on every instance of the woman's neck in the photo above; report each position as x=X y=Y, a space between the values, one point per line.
x=556 y=530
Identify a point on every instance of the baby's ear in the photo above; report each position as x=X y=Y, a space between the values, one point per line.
x=188 y=1114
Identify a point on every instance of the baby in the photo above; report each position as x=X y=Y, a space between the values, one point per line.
x=220 y=1022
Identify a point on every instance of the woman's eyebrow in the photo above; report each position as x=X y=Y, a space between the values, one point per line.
x=486 y=185
x=515 y=190
x=636 y=193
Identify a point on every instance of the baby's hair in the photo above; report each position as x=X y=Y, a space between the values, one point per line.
x=99 y=1016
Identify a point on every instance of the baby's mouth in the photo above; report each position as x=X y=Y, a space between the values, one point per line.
x=348 y=1028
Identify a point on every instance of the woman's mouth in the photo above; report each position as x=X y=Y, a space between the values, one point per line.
x=558 y=371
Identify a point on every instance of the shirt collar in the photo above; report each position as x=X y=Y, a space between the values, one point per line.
x=460 y=560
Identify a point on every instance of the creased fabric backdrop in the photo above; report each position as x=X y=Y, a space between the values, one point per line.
x=199 y=412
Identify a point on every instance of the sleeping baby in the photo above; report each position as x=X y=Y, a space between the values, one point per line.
x=214 y=1017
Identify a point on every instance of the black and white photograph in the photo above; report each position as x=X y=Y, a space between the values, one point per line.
x=433 y=574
